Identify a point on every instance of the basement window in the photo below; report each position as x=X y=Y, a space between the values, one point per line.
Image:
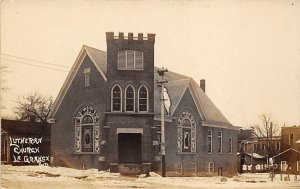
x=179 y=168
x=210 y=167
x=194 y=168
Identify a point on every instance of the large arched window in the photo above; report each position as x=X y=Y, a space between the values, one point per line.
x=87 y=124
x=143 y=99
x=116 y=99
x=129 y=96
x=186 y=136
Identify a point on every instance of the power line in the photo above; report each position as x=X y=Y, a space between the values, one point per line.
x=35 y=60
x=34 y=65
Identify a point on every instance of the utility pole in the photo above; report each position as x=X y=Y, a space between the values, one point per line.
x=161 y=83
x=252 y=133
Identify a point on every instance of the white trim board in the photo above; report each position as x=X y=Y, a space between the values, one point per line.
x=130 y=130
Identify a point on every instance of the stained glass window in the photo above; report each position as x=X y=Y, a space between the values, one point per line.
x=116 y=98
x=87 y=125
x=186 y=137
x=143 y=99
x=129 y=99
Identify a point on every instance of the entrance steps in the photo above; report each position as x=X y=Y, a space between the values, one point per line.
x=130 y=168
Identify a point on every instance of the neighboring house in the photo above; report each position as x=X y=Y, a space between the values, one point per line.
x=248 y=143
x=25 y=142
x=261 y=144
x=107 y=116
x=288 y=160
x=256 y=149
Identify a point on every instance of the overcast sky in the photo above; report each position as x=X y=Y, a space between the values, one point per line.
x=248 y=51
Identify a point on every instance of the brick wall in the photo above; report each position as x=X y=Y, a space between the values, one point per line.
x=227 y=161
x=63 y=130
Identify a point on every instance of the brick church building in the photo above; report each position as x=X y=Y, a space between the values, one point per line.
x=107 y=116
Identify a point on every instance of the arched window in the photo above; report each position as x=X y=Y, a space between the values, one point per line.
x=129 y=96
x=186 y=136
x=87 y=124
x=143 y=99
x=116 y=99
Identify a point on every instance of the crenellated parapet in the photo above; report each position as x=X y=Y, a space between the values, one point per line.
x=110 y=36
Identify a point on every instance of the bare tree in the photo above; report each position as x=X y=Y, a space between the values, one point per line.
x=266 y=131
x=33 y=106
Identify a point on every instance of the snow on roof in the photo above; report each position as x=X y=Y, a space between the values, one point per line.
x=256 y=155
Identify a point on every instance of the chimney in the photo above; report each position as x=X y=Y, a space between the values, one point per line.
x=202 y=85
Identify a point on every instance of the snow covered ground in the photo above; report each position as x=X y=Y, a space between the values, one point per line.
x=39 y=177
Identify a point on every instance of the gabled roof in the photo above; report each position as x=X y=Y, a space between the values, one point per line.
x=211 y=113
x=176 y=87
x=98 y=58
x=290 y=149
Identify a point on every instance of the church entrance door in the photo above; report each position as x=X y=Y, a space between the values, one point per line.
x=129 y=148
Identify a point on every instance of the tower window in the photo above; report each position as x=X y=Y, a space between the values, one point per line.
x=116 y=98
x=130 y=60
x=143 y=99
x=129 y=92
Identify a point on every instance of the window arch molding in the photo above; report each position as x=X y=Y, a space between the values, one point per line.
x=116 y=98
x=143 y=98
x=87 y=130
x=129 y=98
x=186 y=133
